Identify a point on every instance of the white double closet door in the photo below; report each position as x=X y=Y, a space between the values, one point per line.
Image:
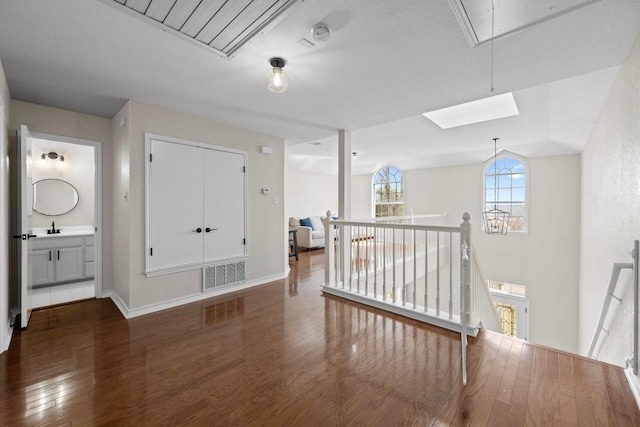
x=196 y=205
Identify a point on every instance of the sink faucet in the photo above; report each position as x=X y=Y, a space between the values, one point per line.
x=53 y=228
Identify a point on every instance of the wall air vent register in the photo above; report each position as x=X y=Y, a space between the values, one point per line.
x=222 y=275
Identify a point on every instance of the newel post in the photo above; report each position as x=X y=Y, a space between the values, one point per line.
x=465 y=287
x=329 y=252
x=465 y=269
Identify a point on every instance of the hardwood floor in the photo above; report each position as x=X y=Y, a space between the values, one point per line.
x=283 y=354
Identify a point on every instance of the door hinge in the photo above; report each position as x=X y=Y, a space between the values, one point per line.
x=244 y=241
x=151 y=252
x=244 y=169
x=151 y=157
x=526 y=310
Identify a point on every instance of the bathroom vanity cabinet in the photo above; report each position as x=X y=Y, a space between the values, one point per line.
x=62 y=259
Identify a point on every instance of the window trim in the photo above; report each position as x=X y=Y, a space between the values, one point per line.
x=527 y=170
x=373 y=190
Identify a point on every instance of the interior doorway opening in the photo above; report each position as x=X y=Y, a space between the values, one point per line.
x=512 y=305
x=63 y=210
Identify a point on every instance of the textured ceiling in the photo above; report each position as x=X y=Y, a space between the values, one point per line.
x=385 y=64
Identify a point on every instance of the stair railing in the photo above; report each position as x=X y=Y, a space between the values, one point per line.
x=483 y=306
x=631 y=370
x=609 y=297
x=411 y=267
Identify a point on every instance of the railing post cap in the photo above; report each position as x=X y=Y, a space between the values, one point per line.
x=329 y=214
x=466 y=217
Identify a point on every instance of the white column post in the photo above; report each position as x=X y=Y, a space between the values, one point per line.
x=344 y=202
x=344 y=174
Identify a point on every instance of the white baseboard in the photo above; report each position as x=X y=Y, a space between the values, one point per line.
x=118 y=302
x=129 y=313
x=440 y=321
x=634 y=383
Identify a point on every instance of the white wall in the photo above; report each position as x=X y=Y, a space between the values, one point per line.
x=313 y=193
x=545 y=260
x=610 y=194
x=266 y=237
x=118 y=206
x=77 y=169
x=361 y=194
x=310 y=194
x=5 y=232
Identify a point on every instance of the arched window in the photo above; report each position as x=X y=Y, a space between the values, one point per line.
x=388 y=192
x=505 y=188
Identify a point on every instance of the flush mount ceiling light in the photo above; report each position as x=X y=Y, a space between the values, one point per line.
x=52 y=155
x=277 y=81
x=481 y=110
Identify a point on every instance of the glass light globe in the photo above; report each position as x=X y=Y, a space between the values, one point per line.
x=278 y=80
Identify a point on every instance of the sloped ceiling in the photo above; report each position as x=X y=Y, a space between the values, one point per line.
x=385 y=64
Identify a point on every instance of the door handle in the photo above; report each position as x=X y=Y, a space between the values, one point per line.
x=21 y=236
x=58 y=254
x=49 y=255
x=198 y=230
x=210 y=229
x=29 y=236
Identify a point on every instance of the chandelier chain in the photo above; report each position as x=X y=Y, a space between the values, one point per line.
x=492 y=36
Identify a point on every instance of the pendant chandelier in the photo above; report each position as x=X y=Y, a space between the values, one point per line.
x=495 y=221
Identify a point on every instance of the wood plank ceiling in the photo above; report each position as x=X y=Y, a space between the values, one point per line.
x=221 y=25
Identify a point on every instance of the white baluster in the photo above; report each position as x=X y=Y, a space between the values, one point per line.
x=438 y=274
x=329 y=244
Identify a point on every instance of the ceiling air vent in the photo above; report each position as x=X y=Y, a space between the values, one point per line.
x=511 y=16
x=223 y=26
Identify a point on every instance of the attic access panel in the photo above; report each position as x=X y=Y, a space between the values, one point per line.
x=223 y=26
x=511 y=16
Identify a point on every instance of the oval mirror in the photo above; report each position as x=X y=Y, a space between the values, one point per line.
x=54 y=197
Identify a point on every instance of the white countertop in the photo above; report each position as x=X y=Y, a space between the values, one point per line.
x=71 y=230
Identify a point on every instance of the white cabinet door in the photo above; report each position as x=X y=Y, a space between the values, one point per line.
x=42 y=269
x=224 y=205
x=88 y=269
x=69 y=264
x=175 y=205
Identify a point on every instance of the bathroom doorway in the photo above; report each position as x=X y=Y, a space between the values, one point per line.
x=66 y=217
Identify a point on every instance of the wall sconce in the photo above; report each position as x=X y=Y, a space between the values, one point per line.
x=277 y=81
x=52 y=155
